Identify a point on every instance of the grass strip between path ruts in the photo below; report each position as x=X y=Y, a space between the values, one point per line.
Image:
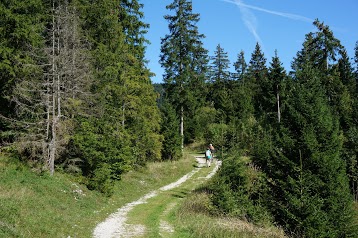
x=151 y=214
x=186 y=214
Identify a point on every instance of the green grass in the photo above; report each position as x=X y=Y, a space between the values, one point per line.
x=158 y=208
x=190 y=215
x=193 y=219
x=33 y=205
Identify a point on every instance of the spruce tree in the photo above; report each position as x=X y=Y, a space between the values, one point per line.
x=121 y=131
x=351 y=142
x=20 y=57
x=130 y=16
x=256 y=77
x=240 y=66
x=169 y=129
x=48 y=96
x=242 y=122
x=220 y=90
x=273 y=90
x=184 y=60
x=308 y=186
x=325 y=53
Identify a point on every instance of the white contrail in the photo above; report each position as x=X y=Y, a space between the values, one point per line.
x=249 y=19
x=282 y=14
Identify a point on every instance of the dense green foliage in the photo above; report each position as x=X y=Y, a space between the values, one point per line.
x=184 y=60
x=169 y=129
x=302 y=150
x=20 y=38
x=95 y=113
x=76 y=96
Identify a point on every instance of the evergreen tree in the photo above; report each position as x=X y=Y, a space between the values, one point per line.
x=102 y=140
x=257 y=78
x=184 y=60
x=220 y=91
x=55 y=81
x=351 y=141
x=169 y=129
x=105 y=131
x=242 y=123
x=134 y=28
x=356 y=61
x=122 y=130
x=323 y=50
x=309 y=192
x=273 y=90
x=67 y=78
x=20 y=56
x=325 y=53
x=240 y=66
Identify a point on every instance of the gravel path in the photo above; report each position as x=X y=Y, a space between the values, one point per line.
x=115 y=225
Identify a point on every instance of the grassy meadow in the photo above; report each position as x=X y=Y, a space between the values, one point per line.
x=39 y=205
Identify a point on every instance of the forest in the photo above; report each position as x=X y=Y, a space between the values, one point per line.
x=76 y=97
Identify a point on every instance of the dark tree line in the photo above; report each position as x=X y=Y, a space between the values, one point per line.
x=76 y=96
x=297 y=130
x=75 y=91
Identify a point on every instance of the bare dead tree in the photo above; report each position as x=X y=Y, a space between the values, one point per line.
x=48 y=99
x=69 y=76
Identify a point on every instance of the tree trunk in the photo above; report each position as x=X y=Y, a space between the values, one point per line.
x=278 y=106
x=182 y=127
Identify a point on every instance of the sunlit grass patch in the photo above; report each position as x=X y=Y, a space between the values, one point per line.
x=39 y=205
x=194 y=219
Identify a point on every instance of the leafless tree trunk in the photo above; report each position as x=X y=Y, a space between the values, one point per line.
x=278 y=104
x=182 y=127
x=47 y=102
x=69 y=75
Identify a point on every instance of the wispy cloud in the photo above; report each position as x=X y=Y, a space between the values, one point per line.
x=249 y=19
x=241 y=4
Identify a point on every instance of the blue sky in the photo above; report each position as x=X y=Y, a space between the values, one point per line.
x=238 y=24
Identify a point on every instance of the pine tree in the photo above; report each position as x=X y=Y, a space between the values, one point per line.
x=273 y=90
x=169 y=129
x=184 y=60
x=20 y=57
x=257 y=76
x=134 y=28
x=326 y=54
x=308 y=186
x=240 y=66
x=220 y=90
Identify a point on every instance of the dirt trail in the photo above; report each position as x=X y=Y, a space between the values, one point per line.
x=117 y=225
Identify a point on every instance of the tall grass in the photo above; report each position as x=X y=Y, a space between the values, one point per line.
x=39 y=205
x=194 y=219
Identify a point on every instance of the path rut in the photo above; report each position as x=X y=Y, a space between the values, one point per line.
x=117 y=225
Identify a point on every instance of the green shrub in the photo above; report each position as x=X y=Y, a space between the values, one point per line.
x=102 y=180
x=237 y=190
